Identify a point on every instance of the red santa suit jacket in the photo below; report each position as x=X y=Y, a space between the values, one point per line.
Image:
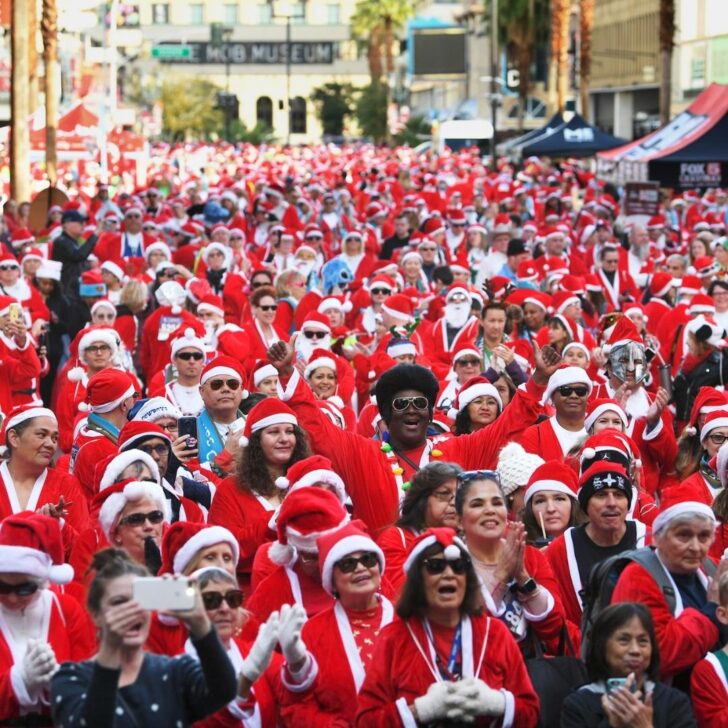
x=396 y=543
x=329 y=696
x=154 y=352
x=20 y=369
x=66 y=627
x=623 y=286
x=709 y=693
x=374 y=477
x=400 y=672
x=541 y=440
x=437 y=347
x=684 y=637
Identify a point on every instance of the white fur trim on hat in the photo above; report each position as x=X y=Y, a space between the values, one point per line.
x=567 y=375
x=33 y=562
x=566 y=303
x=110 y=267
x=467 y=352
x=577 y=345
x=29 y=414
x=343 y=548
x=329 y=477
x=108 y=406
x=313 y=365
x=600 y=410
x=331 y=302
x=399 y=315
x=682 y=509
x=400 y=348
x=482 y=389
x=155 y=408
x=449 y=553
x=204 y=306
x=201 y=540
x=134 y=491
x=315 y=326
x=221 y=371
x=282 y=418
x=103 y=336
x=708 y=427
x=541 y=486
x=263 y=373
x=122 y=461
x=188 y=340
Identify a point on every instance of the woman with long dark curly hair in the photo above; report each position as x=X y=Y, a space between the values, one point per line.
x=244 y=502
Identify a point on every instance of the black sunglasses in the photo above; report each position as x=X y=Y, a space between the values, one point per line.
x=213 y=600
x=259 y=284
x=315 y=334
x=22 y=590
x=167 y=273
x=379 y=292
x=349 y=563
x=567 y=389
x=272 y=307
x=216 y=384
x=187 y=355
x=137 y=519
x=468 y=362
x=160 y=449
x=437 y=566
x=400 y=404
x=9 y=267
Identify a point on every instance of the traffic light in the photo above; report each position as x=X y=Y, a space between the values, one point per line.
x=216 y=35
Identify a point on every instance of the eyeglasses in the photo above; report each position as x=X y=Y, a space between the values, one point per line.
x=457 y=224
x=427 y=250
x=22 y=590
x=468 y=362
x=568 y=389
x=469 y=475
x=98 y=348
x=160 y=449
x=213 y=600
x=437 y=566
x=271 y=307
x=379 y=292
x=170 y=428
x=134 y=216
x=444 y=496
x=315 y=334
x=187 y=355
x=216 y=384
x=717 y=439
x=259 y=284
x=400 y=404
x=137 y=519
x=349 y=563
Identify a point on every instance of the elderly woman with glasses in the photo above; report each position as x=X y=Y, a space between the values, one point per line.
x=339 y=642
x=428 y=503
x=39 y=627
x=516 y=580
x=444 y=659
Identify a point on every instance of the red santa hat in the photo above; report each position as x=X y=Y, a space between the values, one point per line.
x=103 y=303
x=222 y=366
x=433 y=225
x=9 y=259
x=262 y=371
x=20 y=237
x=319 y=358
x=266 y=413
x=113 y=499
x=343 y=542
x=563 y=299
x=705 y=265
x=624 y=332
x=337 y=302
x=610 y=445
x=515 y=467
x=595 y=408
x=116 y=270
x=400 y=306
x=457 y=288
x=31 y=544
x=135 y=432
x=453 y=547
x=211 y=303
x=713 y=421
x=706 y=330
x=183 y=540
x=171 y=293
x=708 y=400
x=701 y=303
x=186 y=339
x=309 y=472
x=690 y=284
x=158 y=247
x=567 y=375
x=680 y=502
x=305 y=516
x=576 y=345
x=106 y=390
x=502 y=224
x=400 y=347
x=31 y=254
x=656 y=222
x=603 y=474
x=380 y=281
x=219 y=247
x=472 y=389
x=555 y=476
x=100 y=335
x=464 y=348
x=23 y=413
x=113 y=466
x=315 y=321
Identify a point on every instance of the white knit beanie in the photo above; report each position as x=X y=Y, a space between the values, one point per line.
x=515 y=466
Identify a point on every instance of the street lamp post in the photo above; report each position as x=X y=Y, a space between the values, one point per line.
x=284 y=11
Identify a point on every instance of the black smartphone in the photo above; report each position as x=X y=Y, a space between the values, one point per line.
x=188 y=426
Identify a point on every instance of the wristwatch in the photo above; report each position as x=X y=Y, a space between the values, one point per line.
x=528 y=587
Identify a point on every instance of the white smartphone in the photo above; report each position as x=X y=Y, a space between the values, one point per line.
x=155 y=593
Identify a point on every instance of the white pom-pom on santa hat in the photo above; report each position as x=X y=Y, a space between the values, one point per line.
x=61 y=574
x=372 y=374
x=691 y=431
x=588 y=453
x=76 y=374
x=282 y=482
x=243 y=441
x=637 y=463
x=452 y=552
x=84 y=407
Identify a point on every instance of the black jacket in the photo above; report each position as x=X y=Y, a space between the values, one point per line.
x=709 y=373
x=72 y=255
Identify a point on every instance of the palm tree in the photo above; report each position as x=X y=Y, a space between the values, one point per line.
x=49 y=31
x=586 y=22
x=560 y=12
x=667 y=41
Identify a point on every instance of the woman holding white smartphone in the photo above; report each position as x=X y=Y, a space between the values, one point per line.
x=123 y=685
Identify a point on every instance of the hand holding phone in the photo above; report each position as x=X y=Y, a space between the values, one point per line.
x=156 y=593
x=187 y=426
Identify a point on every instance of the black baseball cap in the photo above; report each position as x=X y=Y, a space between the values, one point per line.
x=516 y=246
x=72 y=216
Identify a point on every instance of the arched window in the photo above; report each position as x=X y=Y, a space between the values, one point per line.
x=298 y=115
x=264 y=111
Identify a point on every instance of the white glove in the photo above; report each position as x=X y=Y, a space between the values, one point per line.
x=292 y=620
x=480 y=698
x=261 y=652
x=439 y=700
x=39 y=665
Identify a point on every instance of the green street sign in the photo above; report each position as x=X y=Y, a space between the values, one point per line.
x=171 y=52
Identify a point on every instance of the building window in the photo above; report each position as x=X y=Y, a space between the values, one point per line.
x=333 y=14
x=264 y=112
x=230 y=13
x=197 y=14
x=265 y=14
x=298 y=115
x=160 y=13
x=298 y=13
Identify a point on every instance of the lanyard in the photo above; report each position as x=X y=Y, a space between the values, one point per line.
x=454 y=662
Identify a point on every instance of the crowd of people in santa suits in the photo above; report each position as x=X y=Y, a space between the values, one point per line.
x=388 y=414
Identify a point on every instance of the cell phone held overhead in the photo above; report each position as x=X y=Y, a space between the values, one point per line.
x=155 y=593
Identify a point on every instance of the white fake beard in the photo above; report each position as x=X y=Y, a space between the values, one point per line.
x=456 y=314
x=304 y=267
x=306 y=346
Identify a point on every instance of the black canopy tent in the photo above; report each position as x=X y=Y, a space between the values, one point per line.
x=575 y=138
x=551 y=125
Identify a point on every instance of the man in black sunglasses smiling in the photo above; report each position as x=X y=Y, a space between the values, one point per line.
x=376 y=473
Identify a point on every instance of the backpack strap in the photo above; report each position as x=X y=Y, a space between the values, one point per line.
x=647 y=559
